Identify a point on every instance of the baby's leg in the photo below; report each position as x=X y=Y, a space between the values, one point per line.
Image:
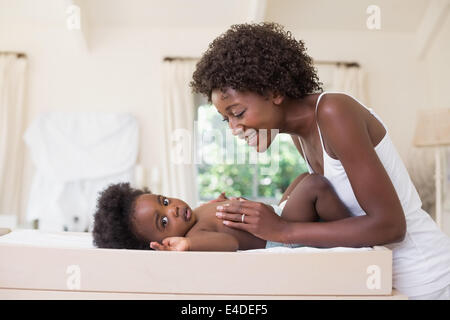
x=314 y=198
x=292 y=186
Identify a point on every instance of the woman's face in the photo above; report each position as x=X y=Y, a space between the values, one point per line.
x=250 y=114
x=157 y=217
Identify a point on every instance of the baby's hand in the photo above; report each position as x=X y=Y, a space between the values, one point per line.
x=238 y=198
x=171 y=244
x=221 y=197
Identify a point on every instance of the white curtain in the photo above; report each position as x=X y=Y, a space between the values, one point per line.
x=350 y=80
x=12 y=115
x=178 y=168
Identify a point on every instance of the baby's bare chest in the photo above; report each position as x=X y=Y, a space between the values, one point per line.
x=207 y=221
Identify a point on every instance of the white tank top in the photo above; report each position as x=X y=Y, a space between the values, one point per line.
x=421 y=262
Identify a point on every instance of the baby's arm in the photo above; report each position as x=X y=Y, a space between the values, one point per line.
x=199 y=241
x=212 y=241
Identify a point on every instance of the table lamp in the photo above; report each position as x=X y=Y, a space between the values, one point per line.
x=433 y=130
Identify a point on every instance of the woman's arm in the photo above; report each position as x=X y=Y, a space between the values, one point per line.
x=345 y=131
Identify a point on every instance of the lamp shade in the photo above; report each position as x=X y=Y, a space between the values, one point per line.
x=432 y=127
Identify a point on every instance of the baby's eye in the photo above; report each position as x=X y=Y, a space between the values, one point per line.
x=166 y=202
x=164 y=221
x=225 y=119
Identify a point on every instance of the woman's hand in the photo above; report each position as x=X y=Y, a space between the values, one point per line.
x=171 y=244
x=255 y=217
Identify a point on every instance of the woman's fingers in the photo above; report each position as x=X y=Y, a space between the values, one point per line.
x=238 y=214
x=237 y=207
x=235 y=217
x=238 y=225
x=228 y=216
x=255 y=217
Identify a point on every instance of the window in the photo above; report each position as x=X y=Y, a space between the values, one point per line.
x=226 y=164
x=218 y=170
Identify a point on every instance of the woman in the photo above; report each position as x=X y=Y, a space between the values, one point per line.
x=260 y=78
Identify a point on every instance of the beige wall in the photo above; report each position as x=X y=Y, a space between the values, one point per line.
x=396 y=84
x=438 y=67
x=438 y=79
x=121 y=72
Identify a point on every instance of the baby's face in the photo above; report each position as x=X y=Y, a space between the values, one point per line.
x=157 y=217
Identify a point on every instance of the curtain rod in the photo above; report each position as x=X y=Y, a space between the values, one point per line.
x=19 y=54
x=338 y=63
x=323 y=62
x=180 y=58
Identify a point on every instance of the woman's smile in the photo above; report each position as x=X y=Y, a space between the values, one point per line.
x=251 y=136
x=250 y=116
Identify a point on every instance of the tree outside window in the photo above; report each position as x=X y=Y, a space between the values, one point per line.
x=222 y=166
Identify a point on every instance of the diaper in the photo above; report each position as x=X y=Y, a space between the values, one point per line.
x=279 y=208
x=270 y=244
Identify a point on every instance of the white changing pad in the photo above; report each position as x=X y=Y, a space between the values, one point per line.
x=306 y=249
x=48 y=239
x=84 y=240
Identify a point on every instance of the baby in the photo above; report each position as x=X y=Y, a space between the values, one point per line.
x=128 y=218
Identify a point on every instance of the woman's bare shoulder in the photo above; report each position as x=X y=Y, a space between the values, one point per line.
x=334 y=104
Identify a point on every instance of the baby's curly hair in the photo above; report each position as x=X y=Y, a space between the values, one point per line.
x=112 y=220
x=257 y=58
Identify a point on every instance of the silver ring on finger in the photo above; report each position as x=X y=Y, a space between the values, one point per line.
x=242 y=218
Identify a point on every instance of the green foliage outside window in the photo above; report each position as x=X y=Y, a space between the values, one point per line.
x=220 y=169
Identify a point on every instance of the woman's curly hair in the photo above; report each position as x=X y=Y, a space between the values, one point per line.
x=258 y=58
x=112 y=220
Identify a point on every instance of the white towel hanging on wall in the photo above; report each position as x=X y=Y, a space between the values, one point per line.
x=76 y=155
